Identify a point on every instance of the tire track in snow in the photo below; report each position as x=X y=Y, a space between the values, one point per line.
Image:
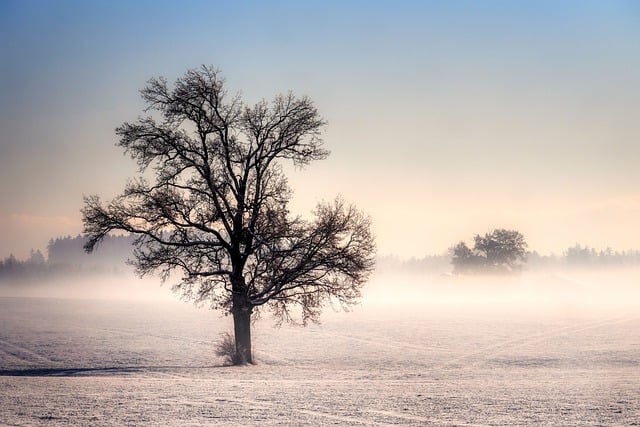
x=22 y=353
x=270 y=405
x=382 y=342
x=402 y=416
x=261 y=355
x=5 y=355
x=152 y=335
x=499 y=348
x=343 y=419
x=491 y=350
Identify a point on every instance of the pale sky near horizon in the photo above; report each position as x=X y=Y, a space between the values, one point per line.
x=446 y=119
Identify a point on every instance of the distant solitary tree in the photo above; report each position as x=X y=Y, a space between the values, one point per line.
x=465 y=259
x=215 y=210
x=498 y=252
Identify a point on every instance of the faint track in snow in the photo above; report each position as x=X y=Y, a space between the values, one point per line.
x=340 y=418
x=5 y=355
x=511 y=343
x=152 y=335
x=400 y=415
x=22 y=353
x=499 y=348
x=134 y=333
x=356 y=419
x=381 y=342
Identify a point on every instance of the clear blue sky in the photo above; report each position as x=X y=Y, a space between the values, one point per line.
x=446 y=119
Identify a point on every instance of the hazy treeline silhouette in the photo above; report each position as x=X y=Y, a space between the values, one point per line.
x=583 y=255
x=65 y=256
x=577 y=256
x=114 y=251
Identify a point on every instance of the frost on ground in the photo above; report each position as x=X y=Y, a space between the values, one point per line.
x=76 y=362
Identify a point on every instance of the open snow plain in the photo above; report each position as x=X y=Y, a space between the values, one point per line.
x=99 y=362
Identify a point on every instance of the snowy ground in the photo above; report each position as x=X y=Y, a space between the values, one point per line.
x=91 y=362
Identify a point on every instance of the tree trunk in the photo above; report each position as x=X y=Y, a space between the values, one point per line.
x=242 y=331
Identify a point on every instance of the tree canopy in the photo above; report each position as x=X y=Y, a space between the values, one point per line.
x=499 y=251
x=210 y=204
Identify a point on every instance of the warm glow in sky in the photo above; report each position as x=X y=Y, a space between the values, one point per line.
x=446 y=119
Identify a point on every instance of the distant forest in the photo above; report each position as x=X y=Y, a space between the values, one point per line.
x=65 y=257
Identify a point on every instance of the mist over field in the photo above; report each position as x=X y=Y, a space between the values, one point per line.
x=568 y=290
x=556 y=343
x=420 y=349
x=420 y=284
x=564 y=290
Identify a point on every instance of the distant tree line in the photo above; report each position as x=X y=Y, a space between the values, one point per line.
x=584 y=256
x=466 y=260
x=114 y=251
x=33 y=267
x=65 y=255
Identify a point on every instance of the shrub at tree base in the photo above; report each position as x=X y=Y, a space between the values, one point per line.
x=226 y=348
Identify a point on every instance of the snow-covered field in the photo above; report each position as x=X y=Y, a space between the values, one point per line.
x=97 y=362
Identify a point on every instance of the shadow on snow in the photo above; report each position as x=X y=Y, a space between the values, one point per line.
x=112 y=370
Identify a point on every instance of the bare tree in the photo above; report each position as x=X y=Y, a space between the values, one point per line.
x=215 y=210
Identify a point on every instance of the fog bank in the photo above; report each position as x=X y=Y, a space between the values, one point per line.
x=568 y=291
